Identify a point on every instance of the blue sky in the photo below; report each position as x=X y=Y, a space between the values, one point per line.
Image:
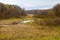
x=32 y=4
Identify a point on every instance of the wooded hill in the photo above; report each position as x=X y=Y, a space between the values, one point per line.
x=8 y=11
x=52 y=12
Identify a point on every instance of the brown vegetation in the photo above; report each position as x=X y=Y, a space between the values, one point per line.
x=29 y=31
x=49 y=17
x=8 y=11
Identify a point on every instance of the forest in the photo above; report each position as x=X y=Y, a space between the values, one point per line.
x=9 y=11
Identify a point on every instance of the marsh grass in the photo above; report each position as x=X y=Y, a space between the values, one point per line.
x=28 y=31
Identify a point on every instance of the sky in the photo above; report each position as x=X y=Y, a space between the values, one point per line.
x=32 y=4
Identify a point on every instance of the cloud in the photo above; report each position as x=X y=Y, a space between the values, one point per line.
x=8 y=1
x=27 y=5
x=32 y=4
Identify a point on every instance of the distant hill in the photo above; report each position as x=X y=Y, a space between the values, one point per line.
x=33 y=11
x=52 y=12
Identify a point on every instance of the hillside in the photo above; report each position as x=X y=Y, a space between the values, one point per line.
x=9 y=11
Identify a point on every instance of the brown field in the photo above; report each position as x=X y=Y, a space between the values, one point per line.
x=28 y=31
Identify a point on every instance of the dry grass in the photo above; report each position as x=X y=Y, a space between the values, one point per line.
x=29 y=31
x=9 y=21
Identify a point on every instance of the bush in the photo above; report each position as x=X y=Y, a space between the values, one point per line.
x=48 y=22
x=57 y=21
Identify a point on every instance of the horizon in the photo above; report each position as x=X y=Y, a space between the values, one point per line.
x=32 y=4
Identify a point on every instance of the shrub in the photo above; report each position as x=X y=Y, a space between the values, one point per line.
x=57 y=21
x=48 y=22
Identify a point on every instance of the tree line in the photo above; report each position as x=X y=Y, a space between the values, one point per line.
x=50 y=17
x=9 y=11
x=53 y=12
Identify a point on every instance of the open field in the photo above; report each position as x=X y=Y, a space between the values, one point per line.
x=28 y=31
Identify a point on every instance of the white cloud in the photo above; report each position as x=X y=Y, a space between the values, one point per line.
x=28 y=5
x=8 y=1
x=32 y=4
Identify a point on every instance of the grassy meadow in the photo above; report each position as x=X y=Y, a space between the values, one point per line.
x=27 y=31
